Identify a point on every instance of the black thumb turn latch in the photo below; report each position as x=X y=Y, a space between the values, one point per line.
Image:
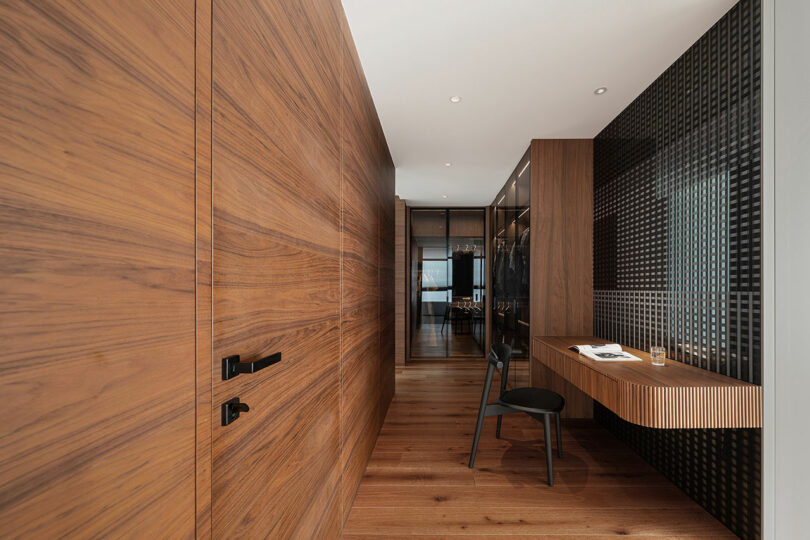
x=231 y=410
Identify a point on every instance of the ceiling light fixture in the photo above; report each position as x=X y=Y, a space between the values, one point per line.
x=601 y=90
x=455 y=99
x=444 y=196
x=447 y=164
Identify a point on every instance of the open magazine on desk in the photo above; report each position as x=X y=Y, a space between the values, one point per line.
x=611 y=352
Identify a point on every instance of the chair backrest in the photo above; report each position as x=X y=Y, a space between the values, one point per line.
x=503 y=354
x=492 y=362
x=493 y=359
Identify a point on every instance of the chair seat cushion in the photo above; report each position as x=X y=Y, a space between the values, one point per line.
x=533 y=399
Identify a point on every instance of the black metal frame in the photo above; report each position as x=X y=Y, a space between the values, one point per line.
x=408 y=277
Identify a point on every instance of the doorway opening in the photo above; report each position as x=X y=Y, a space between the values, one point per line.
x=447 y=282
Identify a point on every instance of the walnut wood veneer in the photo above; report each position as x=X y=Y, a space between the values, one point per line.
x=676 y=395
x=97 y=307
x=303 y=224
x=562 y=254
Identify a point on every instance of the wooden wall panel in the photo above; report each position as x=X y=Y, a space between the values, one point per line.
x=387 y=270
x=562 y=255
x=181 y=183
x=276 y=259
x=203 y=201
x=400 y=274
x=367 y=309
x=97 y=269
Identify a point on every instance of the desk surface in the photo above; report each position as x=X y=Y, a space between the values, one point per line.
x=676 y=395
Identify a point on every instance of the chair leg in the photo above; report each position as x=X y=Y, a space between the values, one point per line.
x=498 y=427
x=481 y=415
x=559 y=436
x=482 y=412
x=549 y=466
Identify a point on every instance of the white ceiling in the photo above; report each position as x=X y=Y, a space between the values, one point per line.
x=524 y=69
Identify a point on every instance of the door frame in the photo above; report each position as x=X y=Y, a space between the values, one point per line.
x=486 y=210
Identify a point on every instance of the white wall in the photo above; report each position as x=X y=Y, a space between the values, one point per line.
x=786 y=268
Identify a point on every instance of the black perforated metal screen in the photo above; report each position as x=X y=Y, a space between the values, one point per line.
x=677 y=249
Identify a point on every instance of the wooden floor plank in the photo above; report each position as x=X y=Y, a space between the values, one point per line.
x=519 y=537
x=572 y=521
x=387 y=496
x=417 y=483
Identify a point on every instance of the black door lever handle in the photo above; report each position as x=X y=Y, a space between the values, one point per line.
x=231 y=366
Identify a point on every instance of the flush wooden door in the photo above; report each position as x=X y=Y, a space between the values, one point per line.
x=97 y=269
x=276 y=266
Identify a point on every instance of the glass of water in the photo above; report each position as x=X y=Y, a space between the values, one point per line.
x=658 y=355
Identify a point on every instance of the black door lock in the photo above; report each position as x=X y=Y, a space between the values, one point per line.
x=231 y=410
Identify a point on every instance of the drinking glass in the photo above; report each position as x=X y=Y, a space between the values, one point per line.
x=658 y=354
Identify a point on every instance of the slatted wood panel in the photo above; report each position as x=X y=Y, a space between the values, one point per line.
x=367 y=311
x=418 y=483
x=673 y=396
x=276 y=259
x=561 y=258
x=97 y=269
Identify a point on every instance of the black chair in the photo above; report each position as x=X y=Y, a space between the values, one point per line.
x=536 y=402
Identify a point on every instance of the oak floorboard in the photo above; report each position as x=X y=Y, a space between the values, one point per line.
x=517 y=536
x=417 y=483
x=530 y=521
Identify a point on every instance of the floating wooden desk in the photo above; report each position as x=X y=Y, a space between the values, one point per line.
x=676 y=395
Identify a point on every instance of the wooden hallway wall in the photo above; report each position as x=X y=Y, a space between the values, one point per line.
x=97 y=300
x=302 y=263
x=367 y=283
x=180 y=182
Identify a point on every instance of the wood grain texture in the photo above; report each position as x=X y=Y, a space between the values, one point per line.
x=367 y=307
x=276 y=265
x=385 y=174
x=577 y=403
x=673 y=396
x=562 y=230
x=204 y=360
x=417 y=483
x=303 y=264
x=561 y=253
x=399 y=281
x=97 y=269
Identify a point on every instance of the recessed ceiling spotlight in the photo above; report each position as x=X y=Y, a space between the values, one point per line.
x=447 y=164
x=444 y=196
x=601 y=90
x=455 y=99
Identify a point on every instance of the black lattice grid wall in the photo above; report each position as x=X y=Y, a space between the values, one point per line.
x=677 y=249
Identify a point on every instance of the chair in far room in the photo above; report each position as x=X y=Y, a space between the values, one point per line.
x=538 y=403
